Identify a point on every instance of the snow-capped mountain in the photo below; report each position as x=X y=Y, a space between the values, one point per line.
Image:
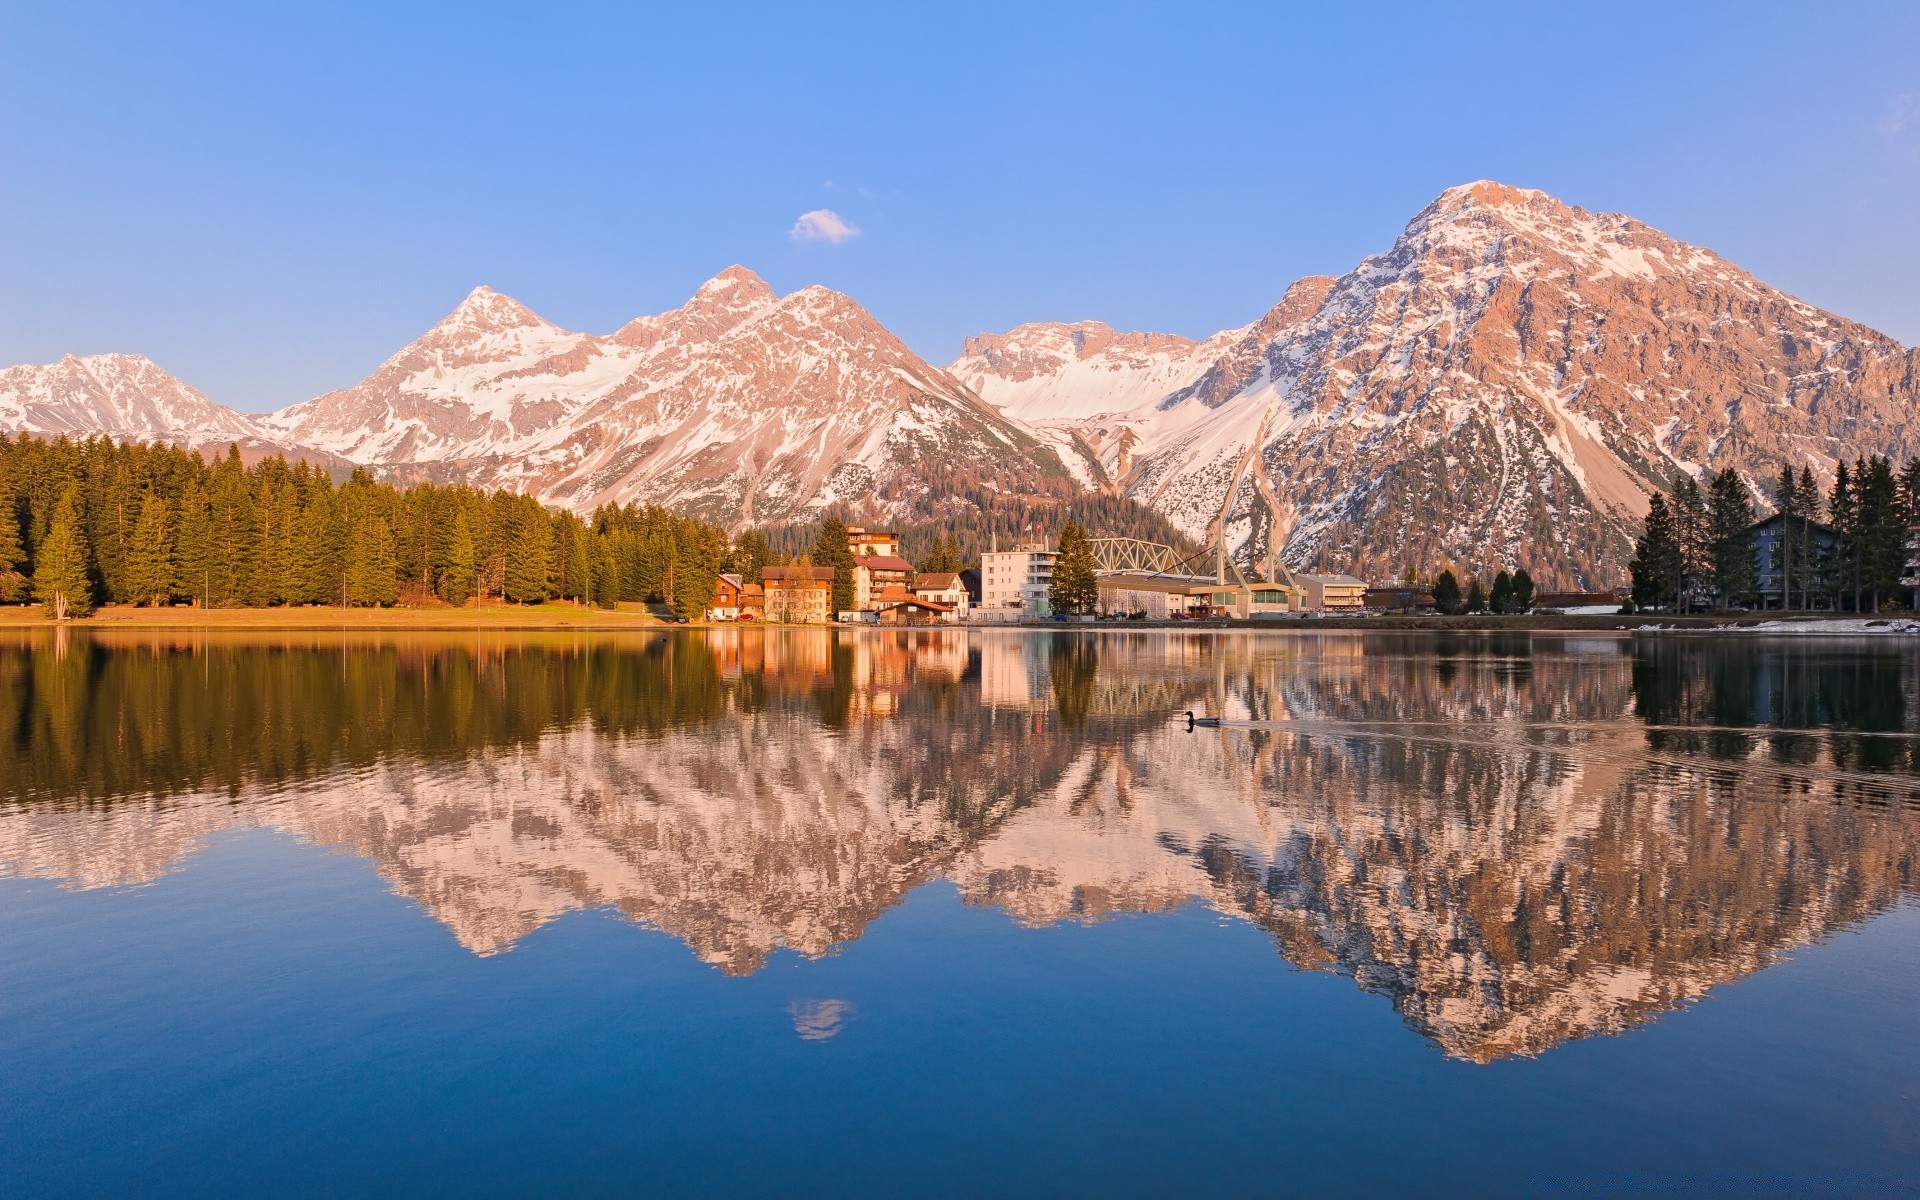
x=488 y=374
x=119 y=395
x=740 y=406
x=1505 y=385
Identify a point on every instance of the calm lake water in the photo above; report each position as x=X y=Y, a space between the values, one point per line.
x=954 y=913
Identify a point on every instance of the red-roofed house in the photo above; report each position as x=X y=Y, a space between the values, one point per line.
x=943 y=587
x=897 y=606
x=875 y=573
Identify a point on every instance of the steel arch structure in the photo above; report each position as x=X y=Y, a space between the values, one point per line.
x=1114 y=555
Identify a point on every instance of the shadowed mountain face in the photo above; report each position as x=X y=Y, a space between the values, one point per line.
x=1517 y=839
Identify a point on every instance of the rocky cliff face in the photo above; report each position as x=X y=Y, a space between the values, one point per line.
x=1505 y=385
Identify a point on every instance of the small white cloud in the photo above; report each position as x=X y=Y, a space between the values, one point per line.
x=822 y=225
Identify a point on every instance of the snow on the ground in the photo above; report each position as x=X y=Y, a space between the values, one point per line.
x=1814 y=627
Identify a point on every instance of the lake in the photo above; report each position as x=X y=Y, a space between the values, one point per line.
x=956 y=913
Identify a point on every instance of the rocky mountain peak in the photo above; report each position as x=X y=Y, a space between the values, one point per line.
x=487 y=311
x=738 y=284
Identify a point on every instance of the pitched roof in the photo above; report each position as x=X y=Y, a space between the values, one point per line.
x=899 y=599
x=936 y=581
x=780 y=574
x=885 y=562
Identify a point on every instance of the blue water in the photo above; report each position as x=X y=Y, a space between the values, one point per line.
x=273 y=1015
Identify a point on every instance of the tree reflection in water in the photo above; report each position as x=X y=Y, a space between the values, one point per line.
x=1519 y=839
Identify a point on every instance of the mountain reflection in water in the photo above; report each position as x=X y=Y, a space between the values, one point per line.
x=1520 y=839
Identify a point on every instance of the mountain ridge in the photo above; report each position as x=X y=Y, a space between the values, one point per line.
x=1505 y=384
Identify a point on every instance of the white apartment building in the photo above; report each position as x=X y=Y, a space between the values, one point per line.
x=1017 y=578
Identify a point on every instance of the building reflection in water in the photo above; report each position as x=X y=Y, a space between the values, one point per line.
x=1518 y=839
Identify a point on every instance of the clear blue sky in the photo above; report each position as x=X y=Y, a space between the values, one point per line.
x=270 y=199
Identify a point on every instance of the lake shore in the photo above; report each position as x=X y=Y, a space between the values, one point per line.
x=568 y=616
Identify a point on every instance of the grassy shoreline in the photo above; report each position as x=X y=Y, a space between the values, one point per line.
x=638 y=617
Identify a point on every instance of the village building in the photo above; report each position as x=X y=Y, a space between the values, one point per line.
x=798 y=595
x=895 y=605
x=753 y=603
x=726 y=598
x=1162 y=597
x=886 y=570
x=1773 y=557
x=944 y=587
x=1334 y=593
x=1400 y=598
x=872 y=542
x=1018 y=578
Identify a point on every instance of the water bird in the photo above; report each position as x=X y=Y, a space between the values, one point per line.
x=1194 y=722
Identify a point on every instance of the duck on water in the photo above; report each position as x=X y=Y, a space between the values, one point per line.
x=1194 y=722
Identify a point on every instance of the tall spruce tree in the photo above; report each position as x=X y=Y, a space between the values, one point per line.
x=13 y=554
x=457 y=581
x=372 y=566
x=1501 y=598
x=1523 y=592
x=1882 y=531
x=1731 y=539
x=831 y=549
x=1447 y=599
x=193 y=545
x=1786 y=502
x=700 y=552
x=150 y=571
x=1075 y=588
x=750 y=553
x=1693 y=533
x=1658 y=564
x=1841 y=565
x=1808 y=547
x=60 y=579
x=528 y=549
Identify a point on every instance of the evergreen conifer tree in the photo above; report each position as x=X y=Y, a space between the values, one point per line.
x=150 y=570
x=1658 y=564
x=750 y=553
x=457 y=581
x=1808 y=504
x=1730 y=530
x=1075 y=588
x=1786 y=500
x=193 y=546
x=1690 y=523
x=1446 y=594
x=1501 y=598
x=1523 y=593
x=1476 y=596
x=528 y=540
x=1842 y=561
x=831 y=549
x=700 y=553
x=1882 y=531
x=60 y=579
x=13 y=555
x=372 y=566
